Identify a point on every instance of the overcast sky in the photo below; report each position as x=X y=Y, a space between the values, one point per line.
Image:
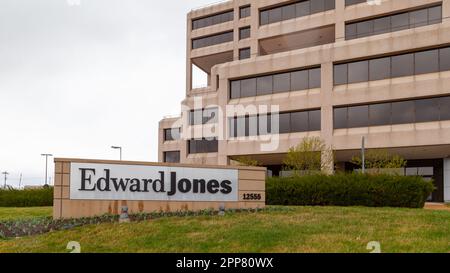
x=76 y=79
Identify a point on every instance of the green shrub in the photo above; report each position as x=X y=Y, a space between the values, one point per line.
x=26 y=198
x=349 y=190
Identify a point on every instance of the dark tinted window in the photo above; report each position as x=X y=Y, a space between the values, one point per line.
x=172 y=134
x=264 y=85
x=244 y=33
x=212 y=40
x=303 y=8
x=199 y=146
x=317 y=6
x=364 y=28
x=248 y=88
x=427 y=62
x=358 y=72
x=340 y=118
x=380 y=114
x=400 y=22
x=282 y=82
x=314 y=78
x=172 y=157
x=354 y=2
x=381 y=25
x=264 y=124
x=300 y=80
x=340 y=74
x=244 y=53
x=315 y=122
x=444 y=108
x=288 y=12
x=235 y=89
x=350 y=31
x=264 y=17
x=358 y=116
x=285 y=123
x=403 y=65
x=403 y=112
x=213 y=20
x=275 y=15
x=444 y=58
x=244 y=12
x=380 y=69
x=300 y=122
x=427 y=110
x=418 y=18
x=435 y=15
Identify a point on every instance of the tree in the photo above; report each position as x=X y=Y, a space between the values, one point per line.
x=246 y=161
x=311 y=154
x=380 y=159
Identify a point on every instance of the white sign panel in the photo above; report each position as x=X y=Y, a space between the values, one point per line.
x=152 y=183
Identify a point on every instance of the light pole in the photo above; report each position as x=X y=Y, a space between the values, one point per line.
x=118 y=148
x=46 y=165
x=6 y=174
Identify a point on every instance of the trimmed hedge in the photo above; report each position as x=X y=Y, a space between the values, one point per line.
x=26 y=198
x=349 y=190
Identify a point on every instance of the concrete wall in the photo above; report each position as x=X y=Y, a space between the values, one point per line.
x=447 y=180
x=251 y=180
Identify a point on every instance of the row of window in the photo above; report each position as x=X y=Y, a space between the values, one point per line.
x=172 y=134
x=294 y=10
x=219 y=18
x=395 y=22
x=290 y=122
x=172 y=157
x=391 y=113
x=354 y=2
x=410 y=64
x=277 y=83
x=203 y=116
x=213 y=20
x=203 y=146
x=212 y=40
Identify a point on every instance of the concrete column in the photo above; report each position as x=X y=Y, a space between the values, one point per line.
x=327 y=114
x=447 y=179
x=446 y=10
x=188 y=56
x=340 y=20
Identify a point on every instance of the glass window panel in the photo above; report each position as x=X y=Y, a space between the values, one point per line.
x=285 y=123
x=274 y=15
x=248 y=88
x=427 y=62
x=315 y=121
x=264 y=85
x=444 y=59
x=232 y=127
x=244 y=53
x=358 y=72
x=350 y=31
x=427 y=110
x=340 y=74
x=435 y=15
x=426 y=171
x=240 y=126
x=380 y=114
x=317 y=6
x=244 y=12
x=210 y=115
x=330 y=4
x=379 y=69
x=244 y=33
x=402 y=65
x=400 y=21
x=314 y=78
x=444 y=107
x=411 y=171
x=172 y=157
x=299 y=122
x=300 y=80
x=253 y=126
x=235 y=89
x=403 y=112
x=382 y=25
x=364 y=28
x=418 y=18
x=264 y=17
x=288 y=12
x=282 y=83
x=264 y=122
x=340 y=118
x=212 y=146
x=358 y=116
x=303 y=8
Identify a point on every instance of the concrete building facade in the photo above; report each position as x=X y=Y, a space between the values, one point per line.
x=340 y=70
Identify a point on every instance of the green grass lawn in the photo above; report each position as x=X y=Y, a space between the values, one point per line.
x=7 y=214
x=300 y=229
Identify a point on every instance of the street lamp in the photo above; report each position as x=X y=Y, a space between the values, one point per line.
x=6 y=174
x=118 y=148
x=46 y=166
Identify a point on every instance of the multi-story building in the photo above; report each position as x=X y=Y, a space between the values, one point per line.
x=340 y=70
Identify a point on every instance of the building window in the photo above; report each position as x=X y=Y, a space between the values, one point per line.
x=354 y=2
x=294 y=10
x=283 y=123
x=203 y=146
x=213 y=19
x=172 y=134
x=244 y=33
x=395 y=22
x=244 y=12
x=212 y=40
x=276 y=83
x=172 y=157
x=244 y=53
x=392 y=113
x=203 y=116
x=421 y=62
